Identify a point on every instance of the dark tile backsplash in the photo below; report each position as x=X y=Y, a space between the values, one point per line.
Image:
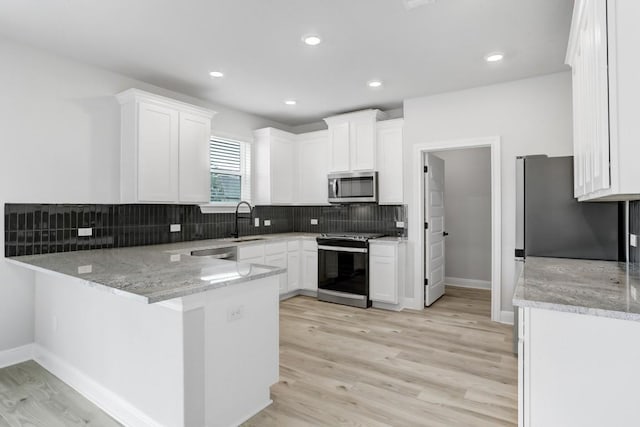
x=46 y=228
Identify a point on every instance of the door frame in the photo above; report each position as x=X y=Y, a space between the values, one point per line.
x=416 y=233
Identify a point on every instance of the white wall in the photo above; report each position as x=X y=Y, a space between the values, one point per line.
x=60 y=129
x=467 y=213
x=532 y=116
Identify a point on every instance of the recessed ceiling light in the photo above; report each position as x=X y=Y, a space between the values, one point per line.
x=494 y=57
x=290 y=102
x=216 y=74
x=374 y=83
x=312 y=40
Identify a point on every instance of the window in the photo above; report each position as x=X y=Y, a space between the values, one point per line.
x=230 y=163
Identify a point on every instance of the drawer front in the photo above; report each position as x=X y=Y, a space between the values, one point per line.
x=382 y=250
x=293 y=245
x=309 y=245
x=253 y=251
x=275 y=248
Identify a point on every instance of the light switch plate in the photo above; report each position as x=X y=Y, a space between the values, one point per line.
x=633 y=240
x=399 y=224
x=267 y=222
x=84 y=232
x=174 y=228
x=174 y=257
x=256 y=222
x=314 y=221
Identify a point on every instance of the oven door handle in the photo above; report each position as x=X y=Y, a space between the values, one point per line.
x=342 y=249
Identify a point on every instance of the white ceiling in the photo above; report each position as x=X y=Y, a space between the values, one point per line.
x=174 y=44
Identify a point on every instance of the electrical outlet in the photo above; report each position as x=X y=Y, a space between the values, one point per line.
x=174 y=258
x=314 y=221
x=235 y=313
x=84 y=232
x=633 y=240
x=267 y=223
x=85 y=269
x=256 y=222
x=174 y=228
x=399 y=224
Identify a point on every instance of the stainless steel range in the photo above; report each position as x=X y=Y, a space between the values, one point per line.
x=343 y=268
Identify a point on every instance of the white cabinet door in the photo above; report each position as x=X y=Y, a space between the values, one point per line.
x=283 y=162
x=278 y=260
x=293 y=271
x=390 y=158
x=383 y=279
x=158 y=151
x=195 y=178
x=310 y=270
x=339 y=147
x=313 y=168
x=362 y=145
x=251 y=254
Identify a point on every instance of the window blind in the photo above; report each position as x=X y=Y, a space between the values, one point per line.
x=230 y=163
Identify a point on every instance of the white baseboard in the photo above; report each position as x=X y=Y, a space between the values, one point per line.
x=468 y=283
x=506 y=317
x=16 y=355
x=105 y=399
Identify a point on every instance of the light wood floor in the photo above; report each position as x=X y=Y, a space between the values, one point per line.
x=31 y=397
x=446 y=366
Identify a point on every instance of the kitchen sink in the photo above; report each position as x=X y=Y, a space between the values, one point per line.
x=229 y=252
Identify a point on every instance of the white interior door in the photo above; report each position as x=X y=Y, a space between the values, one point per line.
x=434 y=232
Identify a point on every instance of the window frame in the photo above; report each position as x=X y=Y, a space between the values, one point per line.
x=246 y=160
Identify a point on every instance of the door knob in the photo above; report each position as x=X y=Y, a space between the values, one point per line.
x=445 y=234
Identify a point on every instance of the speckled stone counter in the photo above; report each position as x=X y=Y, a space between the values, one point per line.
x=598 y=288
x=155 y=273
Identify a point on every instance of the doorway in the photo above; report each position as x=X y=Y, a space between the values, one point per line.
x=428 y=228
x=457 y=221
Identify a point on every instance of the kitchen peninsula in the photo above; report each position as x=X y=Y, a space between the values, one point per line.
x=157 y=337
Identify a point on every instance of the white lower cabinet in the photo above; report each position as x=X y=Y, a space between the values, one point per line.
x=299 y=257
x=386 y=271
x=577 y=369
x=293 y=265
x=310 y=265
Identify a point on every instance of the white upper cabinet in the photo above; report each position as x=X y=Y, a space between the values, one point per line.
x=274 y=167
x=603 y=56
x=352 y=141
x=339 y=151
x=195 y=178
x=312 y=167
x=164 y=150
x=390 y=157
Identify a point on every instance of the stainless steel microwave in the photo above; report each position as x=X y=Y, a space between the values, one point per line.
x=353 y=187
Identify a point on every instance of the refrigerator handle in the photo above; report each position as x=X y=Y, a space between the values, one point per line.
x=520 y=200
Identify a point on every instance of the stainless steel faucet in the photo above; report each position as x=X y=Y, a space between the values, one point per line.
x=236 y=231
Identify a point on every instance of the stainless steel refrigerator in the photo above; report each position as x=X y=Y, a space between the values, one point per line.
x=550 y=222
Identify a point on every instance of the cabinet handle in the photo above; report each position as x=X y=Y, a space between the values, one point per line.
x=445 y=234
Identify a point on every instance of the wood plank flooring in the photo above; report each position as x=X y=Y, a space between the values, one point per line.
x=342 y=366
x=31 y=396
x=446 y=366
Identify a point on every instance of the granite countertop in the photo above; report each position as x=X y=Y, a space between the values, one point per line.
x=156 y=273
x=390 y=239
x=598 y=288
